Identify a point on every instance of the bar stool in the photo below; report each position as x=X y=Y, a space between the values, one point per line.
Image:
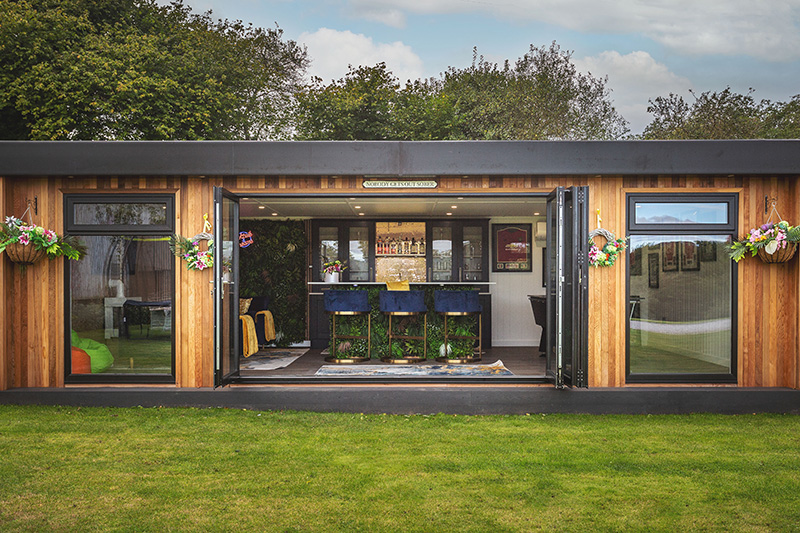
x=405 y=303
x=458 y=303
x=347 y=303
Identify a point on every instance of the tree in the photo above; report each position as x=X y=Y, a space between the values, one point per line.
x=131 y=69
x=722 y=115
x=541 y=97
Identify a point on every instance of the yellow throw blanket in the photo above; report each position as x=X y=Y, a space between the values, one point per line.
x=269 y=325
x=397 y=285
x=249 y=339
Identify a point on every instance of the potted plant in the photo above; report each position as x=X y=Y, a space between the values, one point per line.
x=331 y=271
x=773 y=243
x=26 y=243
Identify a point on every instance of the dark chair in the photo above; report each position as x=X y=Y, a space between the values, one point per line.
x=405 y=303
x=347 y=303
x=539 y=307
x=458 y=303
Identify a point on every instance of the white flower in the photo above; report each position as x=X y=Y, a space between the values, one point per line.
x=771 y=247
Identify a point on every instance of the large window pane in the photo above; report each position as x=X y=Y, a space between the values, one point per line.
x=680 y=312
x=121 y=306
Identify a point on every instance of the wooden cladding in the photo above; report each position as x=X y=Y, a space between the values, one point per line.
x=32 y=333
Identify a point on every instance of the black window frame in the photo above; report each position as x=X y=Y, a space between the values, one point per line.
x=730 y=228
x=78 y=230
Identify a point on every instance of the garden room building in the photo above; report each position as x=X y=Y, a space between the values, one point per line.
x=475 y=263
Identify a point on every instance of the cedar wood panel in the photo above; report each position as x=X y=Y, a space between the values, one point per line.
x=32 y=339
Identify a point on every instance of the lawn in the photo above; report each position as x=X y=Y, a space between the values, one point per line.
x=111 y=469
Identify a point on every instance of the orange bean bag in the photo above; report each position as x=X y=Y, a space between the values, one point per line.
x=81 y=362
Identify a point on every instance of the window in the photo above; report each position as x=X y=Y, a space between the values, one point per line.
x=119 y=297
x=681 y=288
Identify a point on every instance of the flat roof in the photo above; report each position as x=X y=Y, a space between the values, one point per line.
x=397 y=158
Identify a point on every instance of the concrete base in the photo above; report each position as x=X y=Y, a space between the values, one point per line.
x=410 y=399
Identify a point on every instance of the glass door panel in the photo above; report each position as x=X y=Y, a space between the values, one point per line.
x=226 y=288
x=472 y=241
x=359 y=252
x=441 y=253
x=328 y=246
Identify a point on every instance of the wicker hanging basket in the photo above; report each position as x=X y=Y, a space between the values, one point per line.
x=24 y=254
x=781 y=255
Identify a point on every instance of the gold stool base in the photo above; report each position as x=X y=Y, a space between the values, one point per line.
x=346 y=360
x=402 y=360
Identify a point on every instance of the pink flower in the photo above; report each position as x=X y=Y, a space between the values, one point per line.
x=24 y=239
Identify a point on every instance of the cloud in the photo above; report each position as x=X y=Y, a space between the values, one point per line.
x=333 y=51
x=766 y=30
x=634 y=78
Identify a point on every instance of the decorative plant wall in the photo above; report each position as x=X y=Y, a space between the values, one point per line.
x=275 y=266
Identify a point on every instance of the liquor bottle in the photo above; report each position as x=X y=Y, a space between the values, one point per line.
x=414 y=250
x=406 y=246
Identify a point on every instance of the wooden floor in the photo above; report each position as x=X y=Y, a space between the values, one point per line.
x=522 y=361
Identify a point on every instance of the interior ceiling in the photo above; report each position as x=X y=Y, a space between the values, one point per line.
x=391 y=206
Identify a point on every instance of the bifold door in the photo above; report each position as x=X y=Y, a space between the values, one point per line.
x=567 y=286
x=226 y=286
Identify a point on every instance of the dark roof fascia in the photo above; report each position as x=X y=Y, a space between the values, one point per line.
x=398 y=158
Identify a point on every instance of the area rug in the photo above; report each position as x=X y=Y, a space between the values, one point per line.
x=494 y=369
x=271 y=359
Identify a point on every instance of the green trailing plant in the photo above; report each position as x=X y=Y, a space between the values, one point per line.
x=275 y=266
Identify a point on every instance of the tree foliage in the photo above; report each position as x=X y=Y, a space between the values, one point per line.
x=132 y=69
x=723 y=115
x=542 y=96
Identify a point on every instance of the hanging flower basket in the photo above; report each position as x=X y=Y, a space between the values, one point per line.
x=22 y=254
x=25 y=242
x=772 y=243
x=780 y=255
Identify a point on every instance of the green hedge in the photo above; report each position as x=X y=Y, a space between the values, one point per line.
x=275 y=266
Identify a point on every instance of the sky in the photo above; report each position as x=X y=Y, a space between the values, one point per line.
x=646 y=48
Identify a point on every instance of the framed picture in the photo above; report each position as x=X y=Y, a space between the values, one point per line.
x=690 y=256
x=635 y=259
x=652 y=271
x=708 y=251
x=512 y=247
x=669 y=256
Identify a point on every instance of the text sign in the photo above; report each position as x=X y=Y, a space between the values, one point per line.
x=400 y=184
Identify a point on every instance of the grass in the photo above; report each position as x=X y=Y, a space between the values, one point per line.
x=111 y=469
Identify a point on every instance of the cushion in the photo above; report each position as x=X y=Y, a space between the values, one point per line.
x=99 y=353
x=402 y=302
x=346 y=301
x=81 y=362
x=456 y=302
x=244 y=305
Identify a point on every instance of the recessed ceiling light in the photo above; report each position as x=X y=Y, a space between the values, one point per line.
x=537 y=213
x=460 y=198
x=453 y=207
x=274 y=214
x=361 y=214
x=449 y=214
x=261 y=207
x=356 y=207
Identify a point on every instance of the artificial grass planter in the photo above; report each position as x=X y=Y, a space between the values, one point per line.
x=100 y=469
x=412 y=325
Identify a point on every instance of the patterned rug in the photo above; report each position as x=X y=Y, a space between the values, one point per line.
x=494 y=369
x=271 y=359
